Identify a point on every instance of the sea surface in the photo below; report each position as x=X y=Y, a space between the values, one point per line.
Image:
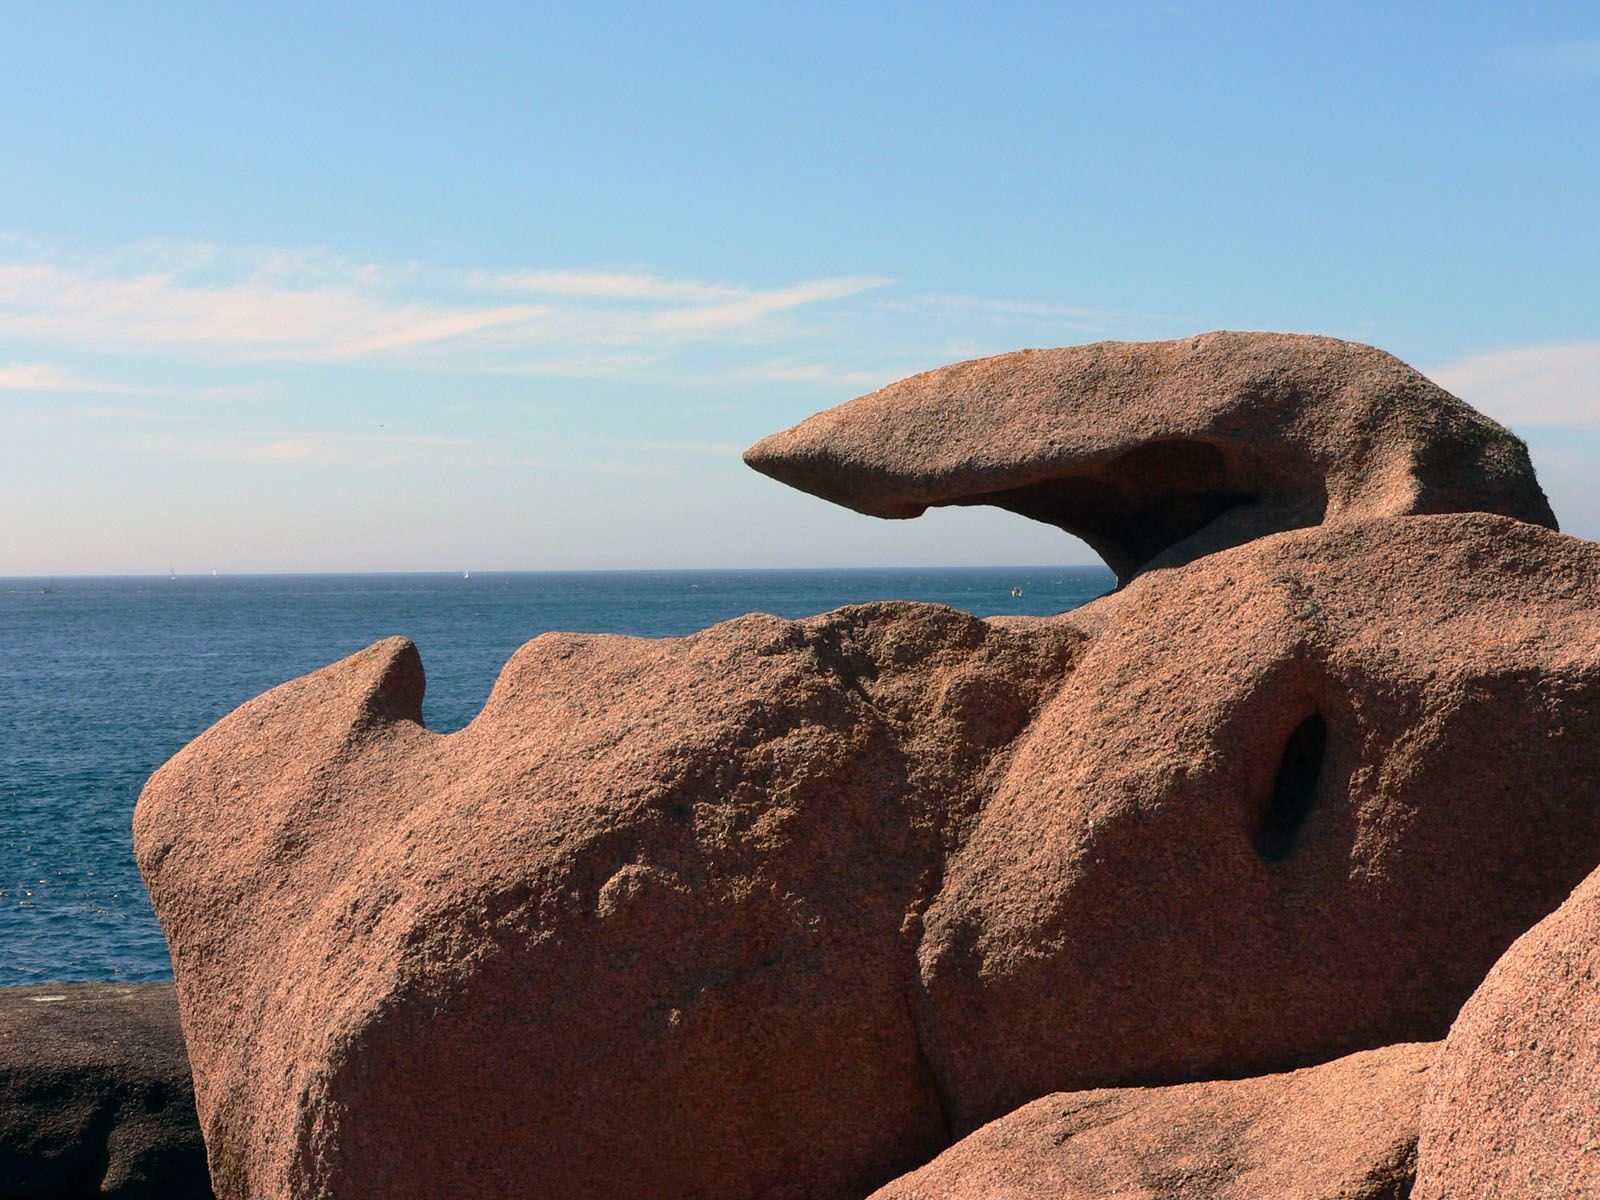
x=103 y=679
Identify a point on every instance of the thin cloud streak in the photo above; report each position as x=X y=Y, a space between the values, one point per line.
x=1550 y=386
x=48 y=377
x=230 y=307
x=318 y=450
x=324 y=448
x=1000 y=311
x=34 y=377
x=605 y=285
x=310 y=308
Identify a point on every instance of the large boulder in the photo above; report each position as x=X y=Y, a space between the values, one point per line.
x=1157 y=452
x=782 y=908
x=1513 y=1108
x=1346 y=1130
x=639 y=929
x=95 y=1096
x=1256 y=825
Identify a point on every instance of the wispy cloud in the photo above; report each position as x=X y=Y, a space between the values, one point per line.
x=606 y=285
x=34 y=377
x=226 y=303
x=50 y=377
x=1536 y=386
x=320 y=448
x=188 y=316
x=826 y=373
x=725 y=450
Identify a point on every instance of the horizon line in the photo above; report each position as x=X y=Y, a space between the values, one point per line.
x=175 y=575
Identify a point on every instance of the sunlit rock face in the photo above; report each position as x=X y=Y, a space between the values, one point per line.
x=1291 y=802
x=1511 y=1108
x=640 y=929
x=784 y=908
x=1344 y=1130
x=1158 y=452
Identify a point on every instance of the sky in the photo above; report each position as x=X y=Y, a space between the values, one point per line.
x=509 y=287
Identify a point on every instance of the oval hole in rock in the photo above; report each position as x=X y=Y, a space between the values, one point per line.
x=1293 y=790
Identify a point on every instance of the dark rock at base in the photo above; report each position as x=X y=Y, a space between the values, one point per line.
x=1345 y=1130
x=95 y=1095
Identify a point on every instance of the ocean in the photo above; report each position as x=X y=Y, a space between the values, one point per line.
x=103 y=679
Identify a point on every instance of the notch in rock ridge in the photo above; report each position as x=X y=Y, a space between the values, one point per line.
x=1293 y=790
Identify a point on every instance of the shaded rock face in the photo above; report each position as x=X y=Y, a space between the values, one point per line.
x=1513 y=1108
x=95 y=1096
x=783 y=908
x=1157 y=452
x=1346 y=1130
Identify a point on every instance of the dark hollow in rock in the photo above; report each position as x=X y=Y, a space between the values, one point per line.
x=1139 y=503
x=1294 y=789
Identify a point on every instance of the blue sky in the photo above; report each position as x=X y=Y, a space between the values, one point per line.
x=349 y=287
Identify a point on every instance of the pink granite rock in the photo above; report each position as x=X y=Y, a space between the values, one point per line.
x=1513 y=1108
x=637 y=930
x=1346 y=1130
x=1157 y=452
x=1256 y=826
x=782 y=908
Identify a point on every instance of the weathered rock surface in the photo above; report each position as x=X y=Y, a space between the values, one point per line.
x=95 y=1095
x=1346 y=1130
x=1255 y=827
x=637 y=930
x=783 y=908
x=1513 y=1108
x=1158 y=452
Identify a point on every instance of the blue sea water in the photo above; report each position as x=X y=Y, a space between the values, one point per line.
x=103 y=679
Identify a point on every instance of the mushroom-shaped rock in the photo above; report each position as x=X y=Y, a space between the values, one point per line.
x=1345 y=1130
x=782 y=908
x=1513 y=1107
x=1157 y=452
